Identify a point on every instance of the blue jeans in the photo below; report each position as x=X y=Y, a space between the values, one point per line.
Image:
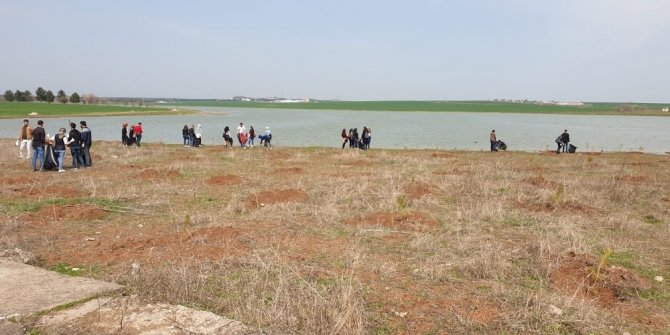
x=187 y=140
x=138 y=138
x=77 y=160
x=38 y=151
x=60 y=157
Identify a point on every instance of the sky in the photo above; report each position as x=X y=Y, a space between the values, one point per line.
x=567 y=50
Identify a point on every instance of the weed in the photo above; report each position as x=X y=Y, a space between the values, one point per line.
x=559 y=195
x=652 y=220
x=401 y=202
x=65 y=269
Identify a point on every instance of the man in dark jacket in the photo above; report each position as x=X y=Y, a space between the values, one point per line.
x=565 y=138
x=39 y=139
x=86 y=142
x=74 y=142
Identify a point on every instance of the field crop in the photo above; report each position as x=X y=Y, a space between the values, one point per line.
x=24 y=109
x=448 y=106
x=331 y=241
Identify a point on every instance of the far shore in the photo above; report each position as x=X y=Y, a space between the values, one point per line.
x=10 y=110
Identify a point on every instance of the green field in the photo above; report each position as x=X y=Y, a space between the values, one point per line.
x=24 y=109
x=448 y=106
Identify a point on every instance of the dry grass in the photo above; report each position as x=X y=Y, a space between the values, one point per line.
x=329 y=241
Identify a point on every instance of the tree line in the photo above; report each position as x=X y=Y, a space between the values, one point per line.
x=48 y=96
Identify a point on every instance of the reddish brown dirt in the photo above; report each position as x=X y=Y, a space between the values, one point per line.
x=358 y=162
x=406 y=220
x=579 y=275
x=417 y=190
x=453 y=172
x=67 y=212
x=225 y=180
x=631 y=179
x=541 y=182
x=152 y=246
x=149 y=174
x=272 y=197
x=570 y=206
x=289 y=171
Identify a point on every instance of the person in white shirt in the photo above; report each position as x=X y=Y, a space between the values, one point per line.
x=241 y=130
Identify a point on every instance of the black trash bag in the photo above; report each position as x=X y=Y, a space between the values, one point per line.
x=50 y=162
x=501 y=145
x=572 y=149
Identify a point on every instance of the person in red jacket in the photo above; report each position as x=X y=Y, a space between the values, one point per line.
x=138 y=131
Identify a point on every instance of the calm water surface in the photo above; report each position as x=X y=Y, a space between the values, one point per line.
x=528 y=132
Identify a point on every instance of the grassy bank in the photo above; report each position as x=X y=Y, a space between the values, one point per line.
x=24 y=109
x=329 y=241
x=449 y=106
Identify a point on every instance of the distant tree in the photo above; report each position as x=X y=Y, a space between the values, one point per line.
x=62 y=97
x=18 y=96
x=74 y=98
x=90 y=98
x=27 y=96
x=9 y=96
x=49 y=97
x=40 y=94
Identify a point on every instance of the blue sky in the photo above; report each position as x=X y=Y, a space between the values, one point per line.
x=572 y=50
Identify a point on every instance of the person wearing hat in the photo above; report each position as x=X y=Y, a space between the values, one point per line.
x=25 y=138
x=39 y=139
x=86 y=142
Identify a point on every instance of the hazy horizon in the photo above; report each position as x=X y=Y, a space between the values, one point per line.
x=596 y=51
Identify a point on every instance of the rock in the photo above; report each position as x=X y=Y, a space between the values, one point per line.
x=90 y=239
x=18 y=255
x=553 y=310
x=135 y=269
x=658 y=278
x=140 y=225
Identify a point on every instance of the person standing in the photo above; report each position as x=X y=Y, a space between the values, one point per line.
x=39 y=139
x=252 y=135
x=138 y=133
x=184 y=134
x=191 y=136
x=59 y=140
x=565 y=138
x=344 y=136
x=198 y=135
x=124 y=134
x=86 y=142
x=241 y=130
x=74 y=142
x=25 y=138
x=494 y=140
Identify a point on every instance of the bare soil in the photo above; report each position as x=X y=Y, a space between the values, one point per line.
x=331 y=241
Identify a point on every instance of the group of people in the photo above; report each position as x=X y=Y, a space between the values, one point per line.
x=563 y=142
x=192 y=135
x=356 y=141
x=246 y=138
x=131 y=135
x=34 y=143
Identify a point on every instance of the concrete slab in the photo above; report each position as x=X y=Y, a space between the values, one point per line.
x=25 y=289
x=130 y=316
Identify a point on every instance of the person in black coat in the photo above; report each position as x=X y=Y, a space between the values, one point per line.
x=565 y=139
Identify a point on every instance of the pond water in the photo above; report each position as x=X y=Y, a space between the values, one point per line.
x=428 y=130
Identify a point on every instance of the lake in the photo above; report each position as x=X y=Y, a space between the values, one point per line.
x=396 y=130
